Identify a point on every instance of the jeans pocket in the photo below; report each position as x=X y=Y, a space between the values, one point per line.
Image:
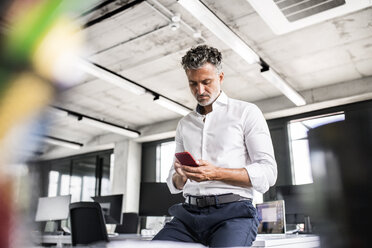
x=174 y=209
x=251 y=211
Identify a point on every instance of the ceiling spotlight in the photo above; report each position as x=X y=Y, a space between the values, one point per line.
x=175 y=24
x=176 y=17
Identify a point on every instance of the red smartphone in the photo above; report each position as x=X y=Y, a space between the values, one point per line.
x=185 y=158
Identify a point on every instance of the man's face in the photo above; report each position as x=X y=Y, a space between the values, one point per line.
x=205 y=83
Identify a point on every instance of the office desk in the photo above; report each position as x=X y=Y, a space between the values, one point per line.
x=61 y=240
x=129 y=240
x=288 y=241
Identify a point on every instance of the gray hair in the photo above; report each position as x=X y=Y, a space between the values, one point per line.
x=196 y=57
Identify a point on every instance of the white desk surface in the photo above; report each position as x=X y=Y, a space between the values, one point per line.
x=61 y=240
x=288 y=241
x=66 y=239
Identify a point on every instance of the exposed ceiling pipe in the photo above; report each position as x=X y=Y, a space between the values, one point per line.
x=155 y=4
x=112 y=13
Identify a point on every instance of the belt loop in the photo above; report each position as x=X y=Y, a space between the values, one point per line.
x=216 y=200
x=199 y=202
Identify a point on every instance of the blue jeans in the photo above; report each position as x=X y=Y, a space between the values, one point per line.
x=224 y=225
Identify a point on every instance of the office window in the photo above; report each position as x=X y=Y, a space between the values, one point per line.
x=106 y=186
x=82 y=176
x=65 y=184
x=75 y=189
x=299 y=145
x=83 y=181
x=89 y=186
x=164 y=159
x=107 y=174
x=53 y=183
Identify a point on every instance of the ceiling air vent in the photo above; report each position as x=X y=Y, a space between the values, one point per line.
x=284 y=16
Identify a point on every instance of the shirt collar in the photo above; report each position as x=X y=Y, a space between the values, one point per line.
x=222 y=99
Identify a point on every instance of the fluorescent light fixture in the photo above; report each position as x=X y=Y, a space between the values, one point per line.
x=273 y=77
x=94 y=122
x=109 y=127
x=218 y=28
x=61 y=142
x=173 y=106
x=109 y=77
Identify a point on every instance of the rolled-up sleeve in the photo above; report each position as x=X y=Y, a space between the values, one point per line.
x=179 y=148
x=262 y=170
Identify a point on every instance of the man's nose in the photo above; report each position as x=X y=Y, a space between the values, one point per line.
x=200 y=89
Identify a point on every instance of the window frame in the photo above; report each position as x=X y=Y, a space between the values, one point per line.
x=149 y=160
x=295 y=180
x=66 y=165
x=278 y=127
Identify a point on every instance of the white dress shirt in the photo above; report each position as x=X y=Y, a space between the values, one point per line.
x=233 y=135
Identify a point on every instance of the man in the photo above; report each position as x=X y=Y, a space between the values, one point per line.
x=233 y=142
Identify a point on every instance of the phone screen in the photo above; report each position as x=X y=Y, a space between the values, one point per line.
x=185 y=158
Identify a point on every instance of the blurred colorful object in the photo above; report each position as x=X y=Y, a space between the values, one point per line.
x=5 y=212
x=36 y=53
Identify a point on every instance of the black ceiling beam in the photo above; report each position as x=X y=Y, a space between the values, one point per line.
x=99 y=6
x=118 y=75
x=155 y=94
x=80 y=116
x=264 y=65
x=112 y=13
x=63 y=140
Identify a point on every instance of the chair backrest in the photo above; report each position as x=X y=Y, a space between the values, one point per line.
x=129 y=224
x=87 y=223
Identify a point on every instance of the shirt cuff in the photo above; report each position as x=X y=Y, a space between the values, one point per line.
x=257 y=176
x=170 y=184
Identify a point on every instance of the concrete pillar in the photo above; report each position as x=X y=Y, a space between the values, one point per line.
x=126 y=176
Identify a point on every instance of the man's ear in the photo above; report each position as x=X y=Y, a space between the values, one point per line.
x=221 y=76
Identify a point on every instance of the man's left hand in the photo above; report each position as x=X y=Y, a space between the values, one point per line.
x=204 y=172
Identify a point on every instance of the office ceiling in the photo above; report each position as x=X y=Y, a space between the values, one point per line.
x=329 y=63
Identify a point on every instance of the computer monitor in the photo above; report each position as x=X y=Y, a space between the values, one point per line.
x=155 y=199
x=53 y=208
x=272 y=217
x=111 y=207
x=297 y=201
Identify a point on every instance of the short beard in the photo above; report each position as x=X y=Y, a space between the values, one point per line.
x=205 y=103
x=211 y=100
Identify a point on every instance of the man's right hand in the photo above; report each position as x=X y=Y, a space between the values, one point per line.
x=179 y=178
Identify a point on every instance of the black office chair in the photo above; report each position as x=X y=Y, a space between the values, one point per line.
x=87 y=223
x=129 y=223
